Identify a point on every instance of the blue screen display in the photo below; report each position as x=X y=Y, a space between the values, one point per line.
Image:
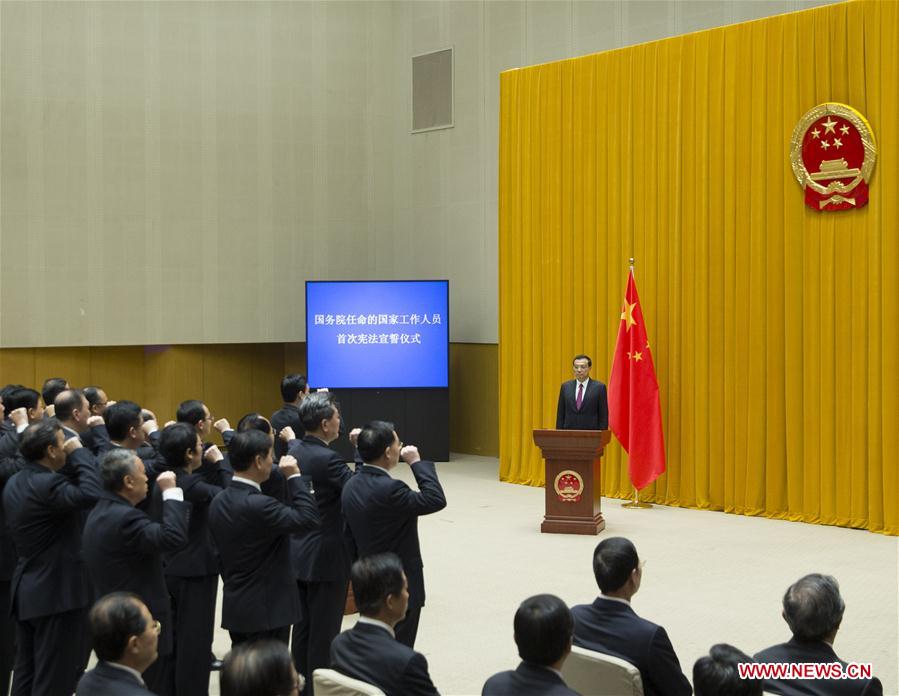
x=377 y=334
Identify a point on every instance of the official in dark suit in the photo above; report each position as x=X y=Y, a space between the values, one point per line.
x=370 y=651
x=252 y=534
x=813 y=609
x=96 y=439
x=611 y=626
x=123 y=547
x=191 y=573
x=49 y=592
x=321 y=557
x=125 y=637
x=543 y=629
x=73 y=414
x=383 y=513
x=718 y=673
x=128 y=430
x=583 y=403
x=293 y=390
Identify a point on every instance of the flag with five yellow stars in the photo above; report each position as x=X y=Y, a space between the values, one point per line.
x=635 y=414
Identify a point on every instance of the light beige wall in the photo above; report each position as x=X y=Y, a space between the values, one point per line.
x=172 y=172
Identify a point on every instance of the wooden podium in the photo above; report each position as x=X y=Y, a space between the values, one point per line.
x=572 y=485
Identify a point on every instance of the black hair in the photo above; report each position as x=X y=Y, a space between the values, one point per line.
x=375 y=437
x=316 y=408
x=614 y=560
x=23 y=397
x=92 y=394
x=7 y=390
x=374 y=578
x=582 y=357
x=113 y=620
x=813 y=607
x=259 y=668
x=543 y=629
x=121 y=417
x=52 y=388
x=717 y=673
x=67 y=402
x=175 y=441
x=292 y=386
x=246 y=446
x=254 y=421
x=37 y=438
x=190 y=411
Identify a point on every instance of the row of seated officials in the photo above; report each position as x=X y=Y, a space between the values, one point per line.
x=50 y=652
x=98 y=499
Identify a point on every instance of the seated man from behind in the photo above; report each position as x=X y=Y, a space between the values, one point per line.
x=369 y=651
x=611 y=626
x=813 y=609
x=260 y=668
x=718 y=674
x=125 y=637
x=543 y=631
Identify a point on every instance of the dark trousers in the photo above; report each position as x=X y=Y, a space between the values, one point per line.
x=7 y=638
x=50 y=653
x=407 y=629
x=281 y=633
x=321 y=604
x=159 y=677
x=193 y=614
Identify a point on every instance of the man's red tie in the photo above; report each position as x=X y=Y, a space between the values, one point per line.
x=580 y=396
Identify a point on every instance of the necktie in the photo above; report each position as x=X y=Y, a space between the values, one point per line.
x=580 y=396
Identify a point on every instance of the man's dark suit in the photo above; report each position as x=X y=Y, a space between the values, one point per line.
x=612 y=627
x=795 y=651
x=286 y=416
x=527 y=680
x=191 y=575
x=49 y=593
x=96 y=439
x=105 y=680
x=321 y=558
x=252 y=534
x=593 y=413
x=10 y=465
x=370 y=653
x=123 y=550
x=382 y=513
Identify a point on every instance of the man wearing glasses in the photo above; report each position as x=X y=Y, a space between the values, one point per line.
x=125 y=637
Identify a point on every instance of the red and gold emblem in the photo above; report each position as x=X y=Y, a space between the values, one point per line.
x=569 y=486
x=833 y=153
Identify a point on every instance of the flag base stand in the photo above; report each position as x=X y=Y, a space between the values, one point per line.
x=635 y=504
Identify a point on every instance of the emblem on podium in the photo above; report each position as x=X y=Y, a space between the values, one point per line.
x=832 y=152
x=569 y=486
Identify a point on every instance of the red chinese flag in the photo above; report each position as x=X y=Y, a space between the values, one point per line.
x=635 y=414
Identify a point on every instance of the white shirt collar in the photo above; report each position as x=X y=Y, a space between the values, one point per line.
x=137 y=675
x=585 y=383
x=375 y=622
x=241 y=479
x=614 y=599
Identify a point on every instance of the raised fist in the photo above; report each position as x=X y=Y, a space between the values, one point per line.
x=354 y=435
x=222 y=425
x=213 y=455
x=288 y=466
x=19 y=416
x=287 y=434
x=95 y=421
x=166 y=480
x=410 y=454
x=71 y=445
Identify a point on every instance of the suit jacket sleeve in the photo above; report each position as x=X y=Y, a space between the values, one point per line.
x=170 y=535
x=83 y=489
x=603 y=407
x=300 y=515
x=430 y=498
x=416 y=680
x=9 y=445
x=101 y=441
x=665 y=671
x=560 y=409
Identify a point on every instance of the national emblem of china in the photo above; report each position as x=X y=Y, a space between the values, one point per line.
x=833 y=153
x=569 y=485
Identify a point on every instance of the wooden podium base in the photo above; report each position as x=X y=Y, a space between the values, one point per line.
x=567 y=525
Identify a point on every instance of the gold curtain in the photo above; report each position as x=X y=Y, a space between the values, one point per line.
x=775 y=328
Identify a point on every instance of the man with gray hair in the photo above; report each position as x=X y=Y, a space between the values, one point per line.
x=123 y=547
x=813 y=609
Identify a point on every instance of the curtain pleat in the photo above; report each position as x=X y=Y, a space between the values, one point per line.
x=774 y=328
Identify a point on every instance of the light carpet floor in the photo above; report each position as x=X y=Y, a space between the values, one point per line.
x=710 y=577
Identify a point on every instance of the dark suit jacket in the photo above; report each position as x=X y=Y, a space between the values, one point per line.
x=527 y=680
x=594 y=412
x=383 y=512
x=10 y=465
x=275 y=485
x=815 y=651
x=613 y=628
x=96 y=439
x=105 y=680
x=371 y=654
x=123 y=549
x=287 y=415
x=198 y=558
x=323 y=553
x=42 y=513
x=252 y=533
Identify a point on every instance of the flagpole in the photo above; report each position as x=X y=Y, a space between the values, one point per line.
x=635 y=504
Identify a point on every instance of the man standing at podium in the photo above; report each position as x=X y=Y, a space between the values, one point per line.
x=582 y=401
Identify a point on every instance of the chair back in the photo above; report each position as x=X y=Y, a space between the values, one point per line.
x=595 y=674
x=331 y=683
